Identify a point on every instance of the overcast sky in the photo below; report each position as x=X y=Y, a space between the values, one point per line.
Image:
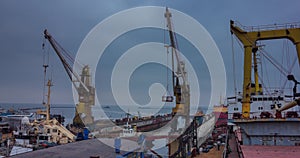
x=21 y=37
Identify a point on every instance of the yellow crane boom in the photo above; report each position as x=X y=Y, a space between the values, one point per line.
x=248 y=37
x=181 y=91
x=82 y=83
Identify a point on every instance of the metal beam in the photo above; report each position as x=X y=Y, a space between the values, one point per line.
x=249 y=38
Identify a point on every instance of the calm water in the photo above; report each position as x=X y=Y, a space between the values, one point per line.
x=67 y=110
x=111 y=111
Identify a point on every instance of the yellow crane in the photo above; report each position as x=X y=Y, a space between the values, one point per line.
x=248 y=38
x=181 y=91
x=82 y=83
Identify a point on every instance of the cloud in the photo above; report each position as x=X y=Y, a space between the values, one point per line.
x=22 y=24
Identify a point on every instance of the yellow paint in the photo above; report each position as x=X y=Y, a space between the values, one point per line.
x=180 y=109
x=220 y=108
x=257 y=90
x=248 y=39
x=80 y=108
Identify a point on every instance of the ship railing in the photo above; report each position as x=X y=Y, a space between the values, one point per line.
x=232 y=100
x=274 y=95
x=225 y=152
x=256 y=115
x=239 y=148
x=253 y=115
x=267 y=27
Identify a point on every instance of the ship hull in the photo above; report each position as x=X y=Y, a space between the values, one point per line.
x=206 y=128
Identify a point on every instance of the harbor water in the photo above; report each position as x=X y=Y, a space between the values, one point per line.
x=68 y=110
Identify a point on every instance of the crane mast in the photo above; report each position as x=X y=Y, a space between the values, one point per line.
x=181 y=91
x=249 y=38
x=82 y=84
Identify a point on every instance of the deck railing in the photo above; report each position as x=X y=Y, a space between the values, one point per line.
x=267 y=27
x=225 y=152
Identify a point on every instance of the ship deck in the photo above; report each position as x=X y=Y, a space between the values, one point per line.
x=270 y=151
x=249 y=151
x=87 y=148
x=213 y=153
x=264 y=120
x=233 y=145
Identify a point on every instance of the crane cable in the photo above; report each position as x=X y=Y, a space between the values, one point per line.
x=167 y=68
x=263 y=66
x=273 y=61
x=270 y=58
x=175 y=37
x=290 y=67
x=264 y=86
x=276 y=64
x=68 y=55
x=233 y=66
x=260 y=77
x=178 y=59
x=279 y=66
x=168 y=71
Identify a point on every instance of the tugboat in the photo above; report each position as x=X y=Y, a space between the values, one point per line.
x=128 y=131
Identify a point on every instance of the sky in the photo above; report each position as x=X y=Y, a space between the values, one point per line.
x=21 y=38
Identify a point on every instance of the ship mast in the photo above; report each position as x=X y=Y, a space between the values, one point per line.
x=49 y=84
